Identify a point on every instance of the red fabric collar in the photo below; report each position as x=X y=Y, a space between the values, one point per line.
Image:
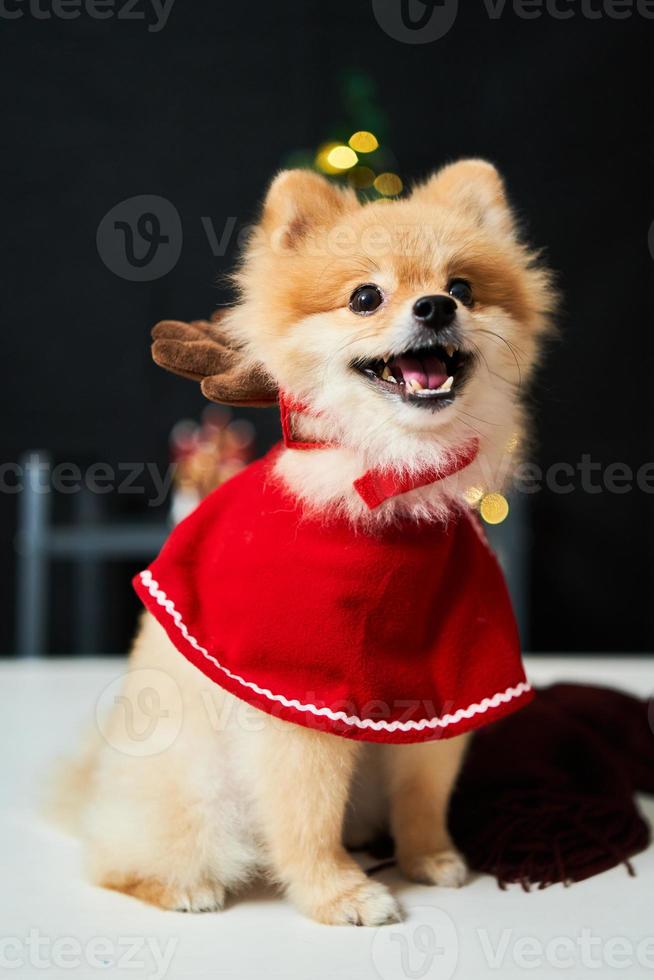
x=287 y=407
x=376 y=486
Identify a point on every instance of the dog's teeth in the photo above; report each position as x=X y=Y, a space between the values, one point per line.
x=387 y=376
x=447 y=384
x=414 y=385
x=449 y=350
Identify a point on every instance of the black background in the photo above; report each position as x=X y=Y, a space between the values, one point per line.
x=203 y=113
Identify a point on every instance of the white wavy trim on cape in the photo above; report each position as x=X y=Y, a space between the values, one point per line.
x=502 y=697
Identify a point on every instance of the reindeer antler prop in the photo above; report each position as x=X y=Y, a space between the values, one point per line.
x=202 y=352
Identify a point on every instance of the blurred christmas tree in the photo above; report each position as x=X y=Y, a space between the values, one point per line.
x=356 y=150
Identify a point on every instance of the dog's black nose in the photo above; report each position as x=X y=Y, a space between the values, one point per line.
x=435 y=311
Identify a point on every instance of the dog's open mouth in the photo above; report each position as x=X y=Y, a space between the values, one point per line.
x=428 y=376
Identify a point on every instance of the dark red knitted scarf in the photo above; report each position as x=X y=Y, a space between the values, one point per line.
x=547 y=794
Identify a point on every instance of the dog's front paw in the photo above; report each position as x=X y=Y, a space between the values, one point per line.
x=446 y=868
x=365 y=903
x=200 y=896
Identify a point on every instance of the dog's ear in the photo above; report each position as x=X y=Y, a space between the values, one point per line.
x=299 y=201
x=474 y=186
x=203 y=352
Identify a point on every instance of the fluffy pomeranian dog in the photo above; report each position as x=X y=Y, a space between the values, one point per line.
x=408 y=327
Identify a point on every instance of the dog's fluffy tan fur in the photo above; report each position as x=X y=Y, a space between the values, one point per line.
x=233 y=796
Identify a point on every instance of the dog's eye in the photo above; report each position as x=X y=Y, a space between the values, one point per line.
x=462 y=290
x=366 y=299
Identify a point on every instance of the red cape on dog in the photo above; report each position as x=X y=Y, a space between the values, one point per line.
x=402 y=634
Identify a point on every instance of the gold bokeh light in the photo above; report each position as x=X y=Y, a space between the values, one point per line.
x=513 y=443
x=388 y=184
x=363 y=142
x=322 y=158
x=361 y=177
x=494 y=508
x=342 y=157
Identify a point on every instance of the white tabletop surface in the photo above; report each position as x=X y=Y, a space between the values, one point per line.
x=54 y=924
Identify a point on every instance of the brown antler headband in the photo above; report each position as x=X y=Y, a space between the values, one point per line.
x=200 y=351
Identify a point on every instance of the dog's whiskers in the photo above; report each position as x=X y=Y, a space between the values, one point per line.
x=470 y=425
x=494 y=374
x=477 y=419
x=509 y=346
x=353 y=340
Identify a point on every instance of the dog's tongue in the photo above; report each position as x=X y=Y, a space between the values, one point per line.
x=428 y=370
